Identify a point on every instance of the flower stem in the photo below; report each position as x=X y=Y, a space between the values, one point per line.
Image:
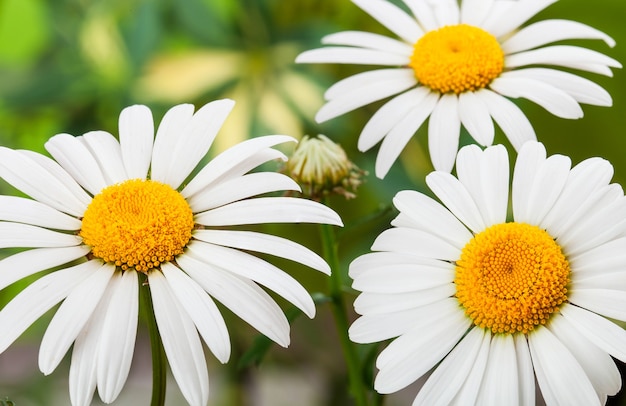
x=159 y=369
x=331 y=256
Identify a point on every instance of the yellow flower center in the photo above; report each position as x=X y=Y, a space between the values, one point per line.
x=511 y=277
x=137 y=224
x=457 y=58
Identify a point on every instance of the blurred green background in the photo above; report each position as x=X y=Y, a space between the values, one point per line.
x=72 y=65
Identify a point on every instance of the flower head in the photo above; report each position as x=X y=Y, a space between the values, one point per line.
x=459 y=65
x=110 y=214
x=494 y=306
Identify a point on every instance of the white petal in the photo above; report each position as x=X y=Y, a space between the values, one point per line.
x=202 y=310
x=386 y=117
x=368 y=303
x=599 y=278
x=35 y=177
x=444 y=130
x=474 y=12
x=107 y=152
x=180 y=341
x=560 y=377
x=525 y=371
x=607 y=257
x=600 y=331
x=537 y=182
x=136 y=139
x=547 y=31
x=269 y=210
x=416 y=242
x=167 y=138
x=351 y=55
x=607 y=302
x=392 y=17
x=423 y=12
x=256 y=269
x=402 y=131
x=74 y=156
x=485 y=175
x=195 y=139
x=518 y=14
x=265 y=243
x=475 y=117
x=380 y=85
x=25 y=235
x=72 y=315
x=413 y=354
x=429 y=215
x=380 y=260
x=117 y=341
x=456 y=198
x=448 y=377
x=509 y=117
x=597 y=364
x=26 y=263
x=363 y=39
x=581 y=89
x=446 y=11
x=469 y=391
x=234 y=162
x=500 y=383
x=38 y=298
x=549 y=97
x=242 y=296
x=240 y=188
x=22 y=210
x=566 y=56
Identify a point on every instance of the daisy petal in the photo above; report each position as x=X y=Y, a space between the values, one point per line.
x=607 y=302
x=26 y=263
x=265 y=243
x=36 y=179
x=475 y=117
x=242 y=296
x=417 y=242
x=556 y=369
x=600 y=331
x=445 y=381
x=392 y=17
x=72 y=315
x=369 y=303
x=444 y=130
x=240 y=188
x=519 y=13
x=423 y=13
x=566 y=56
x=25 y=235
x=136 y=140
x=234 y=162
x=547 y=31
x=509 y=117
x=106 y=150
x=474 y=12
x=166 y=140
x=446 y=11
x=202 y=310
x=351 y=55
x=549 y=97
x=21 y=210
x=117 y=342
x=38 y=298
x=74 y=156
x=500 y=383
x=610 y=256
x=469 y=391
x=356 y=82
x=362 y=39
x=180 y=341
x=269 y=210
x=525 y=372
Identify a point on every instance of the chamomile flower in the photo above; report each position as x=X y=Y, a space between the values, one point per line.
x=115 y=217
x=492 y=306
x=459 y=65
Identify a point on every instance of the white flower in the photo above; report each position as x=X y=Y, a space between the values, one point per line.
x=111 y=214
x=459 y=65
x=491 y=305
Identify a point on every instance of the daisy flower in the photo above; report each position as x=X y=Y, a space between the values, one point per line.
x=459 y=65
x=490 y=306
x=110 y=215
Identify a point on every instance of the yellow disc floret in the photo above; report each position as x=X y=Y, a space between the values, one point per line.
x=457 y=58
x=137 y=224
x=511 y=277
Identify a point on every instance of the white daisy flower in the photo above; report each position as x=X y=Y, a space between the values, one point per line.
x=113 y=214
x=490 y=306
x=458 y=65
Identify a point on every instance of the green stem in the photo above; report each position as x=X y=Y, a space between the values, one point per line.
x=331 y=256
x=159 y=369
